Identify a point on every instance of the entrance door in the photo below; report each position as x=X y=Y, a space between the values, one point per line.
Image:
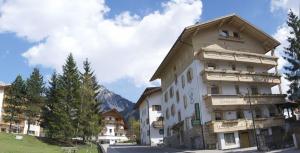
x=244 y=139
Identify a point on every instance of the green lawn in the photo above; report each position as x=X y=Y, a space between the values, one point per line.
x=29 y=144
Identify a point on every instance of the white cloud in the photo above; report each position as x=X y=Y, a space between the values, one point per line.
x=282 y=32
x=127 y=46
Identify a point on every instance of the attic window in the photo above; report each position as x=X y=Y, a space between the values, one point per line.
x=236 y=35
x=224 y=33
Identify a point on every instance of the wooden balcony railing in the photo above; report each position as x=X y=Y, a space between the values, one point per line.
x=238 y=56
x=158 y=124
x=244 y=124
x=240 y=76
x=230 y=100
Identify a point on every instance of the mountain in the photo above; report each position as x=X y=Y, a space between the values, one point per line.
x=110 y=100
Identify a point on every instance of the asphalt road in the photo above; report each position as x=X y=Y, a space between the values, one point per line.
x=147 y=149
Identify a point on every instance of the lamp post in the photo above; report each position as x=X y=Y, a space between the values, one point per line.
x=253 y=120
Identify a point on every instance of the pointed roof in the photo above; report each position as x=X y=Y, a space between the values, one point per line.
x=235 y=20
x=148 y=91
x=113 y=112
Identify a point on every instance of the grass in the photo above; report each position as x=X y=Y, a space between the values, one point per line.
x=30 y=144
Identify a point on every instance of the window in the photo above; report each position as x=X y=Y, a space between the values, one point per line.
x=218 y=115
x=173 y=111
x=156 y=108
x=189 y=75
x=182 y=81
x=168 y=131
x=171 y=92
x=175 y=77
x=236 y=35
x=211 y=66
x=250 y=68
x=240 y=114
x=258 y=113
x=179 y=116
x=166 y=96
x=272 y=111
x=110 y=130
x=185 y=101
x=177 y=96
x=254 y=90
x=148 y=132
x=237 y=89
x=224 y=33
x=167 y=113
x=147 y=121
x=161 y=131
x=109 y=118
x=229 y=138
x=233 y=67
x=214 y=89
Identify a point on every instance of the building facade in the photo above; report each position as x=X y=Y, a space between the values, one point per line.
x=151 y=117
x=216 y=86
x=114 y=128
x=35 y=129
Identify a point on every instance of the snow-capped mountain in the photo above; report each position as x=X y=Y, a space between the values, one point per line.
x=110 y=100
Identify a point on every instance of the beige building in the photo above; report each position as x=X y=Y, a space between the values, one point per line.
x=205 y=78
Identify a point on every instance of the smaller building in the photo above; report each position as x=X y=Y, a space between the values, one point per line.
x=114 y=128
x=20 y=128
x=151 y=117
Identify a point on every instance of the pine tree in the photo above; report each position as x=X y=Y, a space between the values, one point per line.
x=292 y=56
x=14 y=102
x=70 y=89
x=34 y=97
x=90 y=121
x=51 y=111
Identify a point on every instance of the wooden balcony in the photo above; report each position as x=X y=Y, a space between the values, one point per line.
x=231 y=100
x=237 y=56
x=158 y=124
x=113 y=122
x=240 y=76
x=244 y=124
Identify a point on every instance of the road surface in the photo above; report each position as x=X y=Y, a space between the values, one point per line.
x=147 y=149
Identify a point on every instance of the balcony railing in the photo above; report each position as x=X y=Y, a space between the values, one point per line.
x=158 y=124
x=244 y=124
x=238 y=56
x=230 y=100
x=113 y=122
x=240 y=76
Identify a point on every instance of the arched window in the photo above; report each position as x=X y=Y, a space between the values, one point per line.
x=177 y=96
x=173 y=111
x=171 y=92
x=189 y=75
x=167 y=113
x=182 y=81
x=185 y=101
x=166 y=96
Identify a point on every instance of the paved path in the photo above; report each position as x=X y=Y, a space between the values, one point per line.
x=147 y=149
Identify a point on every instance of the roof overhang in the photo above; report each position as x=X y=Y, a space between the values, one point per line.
x=148 y=91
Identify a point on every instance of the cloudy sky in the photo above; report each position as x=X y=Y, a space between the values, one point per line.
x=124 y=39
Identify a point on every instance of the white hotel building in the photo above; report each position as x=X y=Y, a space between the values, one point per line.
x=204 y=80
x=151 y=117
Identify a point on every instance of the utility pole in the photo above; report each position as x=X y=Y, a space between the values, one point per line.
x=253 y=120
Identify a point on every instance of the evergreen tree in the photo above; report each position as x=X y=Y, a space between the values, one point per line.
x=70 y=89
x=34 y=97
x=14 y=102
x=292 y=56
x=90 y=121
x=51 y=112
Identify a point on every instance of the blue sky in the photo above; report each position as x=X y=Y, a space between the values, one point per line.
x=15 y=42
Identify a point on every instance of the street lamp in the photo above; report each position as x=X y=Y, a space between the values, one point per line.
x=253 y=120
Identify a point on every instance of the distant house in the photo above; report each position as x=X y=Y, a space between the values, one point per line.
x=114 y=128
x=16 y=128
x=151 y=117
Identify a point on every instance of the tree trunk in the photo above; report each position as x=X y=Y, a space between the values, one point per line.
x=28 y=126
